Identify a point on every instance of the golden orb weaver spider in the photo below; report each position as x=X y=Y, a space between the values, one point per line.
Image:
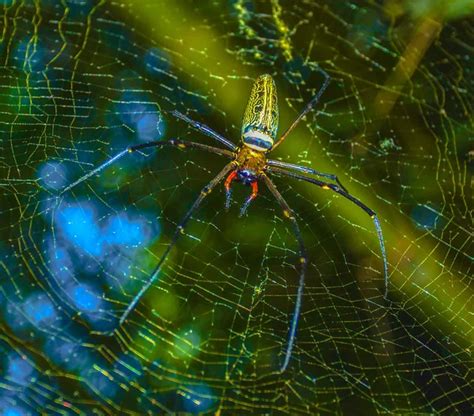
x=249 y=165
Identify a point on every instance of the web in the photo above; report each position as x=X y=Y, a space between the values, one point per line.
x=81 y=80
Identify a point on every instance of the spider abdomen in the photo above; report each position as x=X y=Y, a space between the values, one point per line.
x=260 y=123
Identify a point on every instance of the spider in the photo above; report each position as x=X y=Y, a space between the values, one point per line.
x=249 y=164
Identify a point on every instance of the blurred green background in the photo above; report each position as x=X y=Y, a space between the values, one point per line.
x=80 y=80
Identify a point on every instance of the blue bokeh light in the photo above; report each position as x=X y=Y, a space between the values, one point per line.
x=52 y=175
x=70 y=354
x=61 y=263
x=36 y=312
x=78 y=223
x=86 y=299
x=98 y=382
x=141 y=115
x=121 y=230
x=19 y=370
x=425 y=217
x=149 y=127
x=30 y=56
x=12 y=411
x=80 y=7
x=39 y=309
x=13 y=316
x=157 y=61
x=111 y=242
x=6 y=2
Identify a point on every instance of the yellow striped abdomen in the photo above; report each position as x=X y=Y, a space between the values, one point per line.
x=260 y=123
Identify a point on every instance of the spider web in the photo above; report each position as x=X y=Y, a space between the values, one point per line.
x=81 y=80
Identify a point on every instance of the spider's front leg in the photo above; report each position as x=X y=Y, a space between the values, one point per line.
x=177 y=143
x=228 y=188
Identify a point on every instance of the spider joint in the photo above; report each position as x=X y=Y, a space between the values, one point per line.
x=205 y=191
x=287 y=213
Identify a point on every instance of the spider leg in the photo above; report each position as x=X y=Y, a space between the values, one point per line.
x=305 y=169
x=307 y=109
x=228 y=188
x=178 y=232
x=351 y=198
x=288 y=213
x=205 y=129
x=173 y=142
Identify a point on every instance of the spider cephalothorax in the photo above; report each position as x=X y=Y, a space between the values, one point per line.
x=249 y=165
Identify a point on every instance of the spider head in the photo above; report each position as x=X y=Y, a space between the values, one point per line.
x=246 y=176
